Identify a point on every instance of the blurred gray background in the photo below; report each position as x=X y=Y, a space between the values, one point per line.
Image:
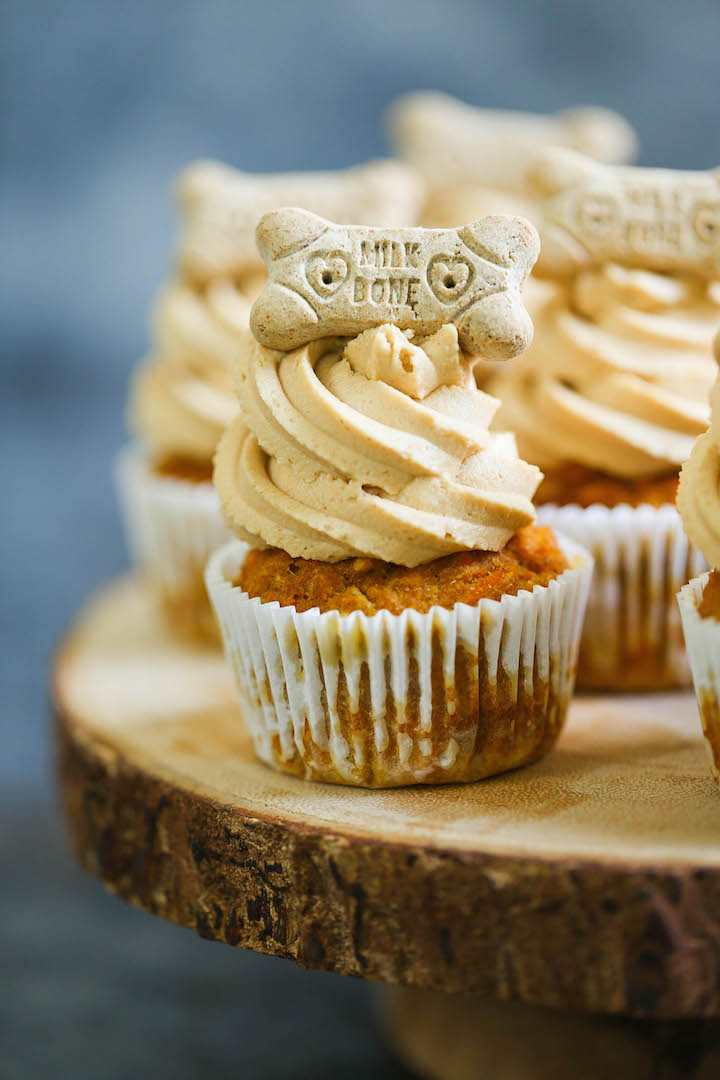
x=101 y=103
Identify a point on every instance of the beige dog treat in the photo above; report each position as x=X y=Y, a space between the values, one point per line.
x=659 y=219
x=221 y=207
x=326 y=279
x=451 y=142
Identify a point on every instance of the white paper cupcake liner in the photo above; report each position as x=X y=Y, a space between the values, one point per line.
x=632 y=638
x=702 y=639
x=172 y=527
x=389 y=700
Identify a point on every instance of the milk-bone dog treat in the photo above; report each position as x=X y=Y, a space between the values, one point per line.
x=476 y=161
x=360 y=476
x=222 y=206
x=614 y=391
x=654 y=219
x=324 y=279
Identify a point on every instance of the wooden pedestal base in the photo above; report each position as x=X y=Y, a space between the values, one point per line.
x=469 y=1037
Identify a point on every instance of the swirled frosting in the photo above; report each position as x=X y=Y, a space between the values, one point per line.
x=618 y=376
x=181 y=399
x=698 y=498
x=377 y=446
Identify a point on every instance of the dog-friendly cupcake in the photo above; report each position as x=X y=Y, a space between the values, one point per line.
x=181 y=397
x=612 y=394
x=698 y=501
x=392 y=613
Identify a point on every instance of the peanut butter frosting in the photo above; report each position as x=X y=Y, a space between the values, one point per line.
x=618 y=376
x=375 y=446
x=698 y=498
x=182 y=399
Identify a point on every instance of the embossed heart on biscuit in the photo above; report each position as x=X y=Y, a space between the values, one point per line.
x=326 y=272
x=707 y=222
x=598 y=213
x=448 y=277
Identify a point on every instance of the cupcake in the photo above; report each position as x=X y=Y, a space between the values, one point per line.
x=476 y=161
x=181 y=398
x=608 y=402
x=698 y=501
x=391 y=611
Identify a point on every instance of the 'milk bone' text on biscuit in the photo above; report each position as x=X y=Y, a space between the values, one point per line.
x=657 y=219
x=325 y=279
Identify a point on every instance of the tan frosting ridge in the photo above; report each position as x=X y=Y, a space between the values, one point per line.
x=698 y=498
x=618 y=376
x=374 y=446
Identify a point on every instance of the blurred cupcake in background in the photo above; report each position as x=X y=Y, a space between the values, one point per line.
x=391 y=612
x=181 y=397
x=608 y=401
x=698 y=501
x=475 y=161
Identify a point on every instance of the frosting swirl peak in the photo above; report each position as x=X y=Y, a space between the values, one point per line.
x=375 y=446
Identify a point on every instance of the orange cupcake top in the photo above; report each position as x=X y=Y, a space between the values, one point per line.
x=532 y=557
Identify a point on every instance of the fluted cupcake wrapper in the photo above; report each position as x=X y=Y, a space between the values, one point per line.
x=391 y=700
x=632 y=638
x=172 y=527
x=702 y=639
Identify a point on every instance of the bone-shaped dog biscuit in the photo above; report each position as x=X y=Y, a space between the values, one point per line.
x=660 y=219
x=220 y=207
x=326 y=279
x=451 y=142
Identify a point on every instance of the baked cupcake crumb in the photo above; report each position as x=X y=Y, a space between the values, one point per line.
x=532 y=557
x=709 y=606
x=577 y=485
x=181 y=468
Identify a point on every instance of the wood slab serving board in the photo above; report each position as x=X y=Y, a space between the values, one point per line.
x=590 y=880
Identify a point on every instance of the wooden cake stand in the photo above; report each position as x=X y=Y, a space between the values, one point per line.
x=507 y=915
